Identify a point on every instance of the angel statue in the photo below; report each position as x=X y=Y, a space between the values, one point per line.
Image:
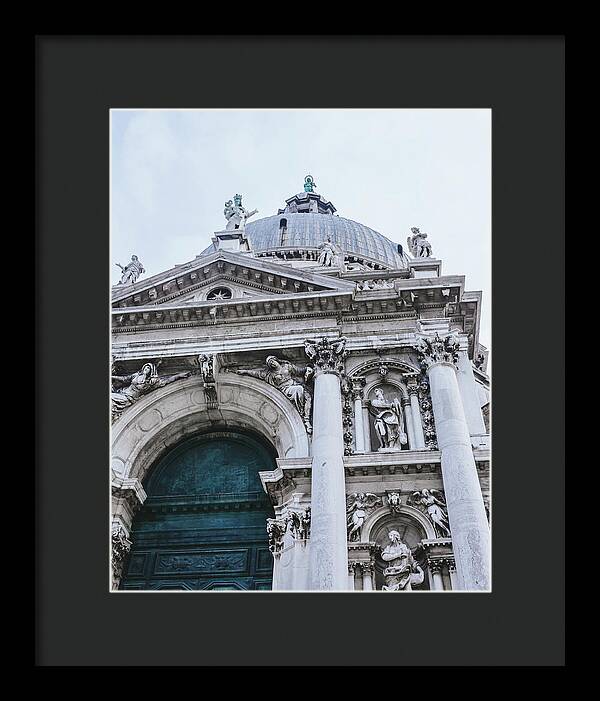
x=436 y=509
x=402 y=571
x=290 y=380
x=235 y=214
x=137 y=385
x=417 y=245
x=131 y=271
x=356 y=511
x=388 y=421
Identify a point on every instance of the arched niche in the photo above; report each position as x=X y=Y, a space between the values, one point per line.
x=392 y=388
x=164 y=417
x=413 y=528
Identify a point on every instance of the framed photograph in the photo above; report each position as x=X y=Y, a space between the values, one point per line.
x=293 y=352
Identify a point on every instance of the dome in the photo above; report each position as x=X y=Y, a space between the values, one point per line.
x=308 y=220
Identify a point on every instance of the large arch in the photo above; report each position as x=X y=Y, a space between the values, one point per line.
x=162 y=418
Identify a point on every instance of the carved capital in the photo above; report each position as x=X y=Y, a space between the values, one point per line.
x=276 y=529
x=327 y=356
x=357 y=385
x=121 y=545
x=433 y=350
x=435 y=565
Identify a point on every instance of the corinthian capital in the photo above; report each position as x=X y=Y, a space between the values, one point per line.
x=433 y=349
x=327 y=356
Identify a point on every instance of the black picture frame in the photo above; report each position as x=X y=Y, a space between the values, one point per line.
x=78 y=622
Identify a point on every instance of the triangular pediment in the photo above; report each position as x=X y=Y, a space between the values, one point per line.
x=242 y=275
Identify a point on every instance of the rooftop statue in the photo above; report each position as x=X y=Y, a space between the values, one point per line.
x=329 y=254
x=235 y=214
x=131 y=271
x=309 y=184
x=417 y=245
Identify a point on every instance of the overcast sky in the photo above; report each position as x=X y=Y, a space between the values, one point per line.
x=173 y=170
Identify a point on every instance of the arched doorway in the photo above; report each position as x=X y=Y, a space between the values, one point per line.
x=203 y=524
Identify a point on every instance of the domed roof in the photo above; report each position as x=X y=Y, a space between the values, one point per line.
x=308 y=220
x=310 y=230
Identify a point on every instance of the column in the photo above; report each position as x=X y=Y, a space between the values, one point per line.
x=407 y=409
x=466 y=511
x=328 y=559
x=435 y=568
x=413 y=393
x=469 y=395
x=359 y=429
x=351 y=566
x=452 y=571
x=367 y=576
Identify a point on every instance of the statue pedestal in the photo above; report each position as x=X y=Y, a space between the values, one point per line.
x=233 y=240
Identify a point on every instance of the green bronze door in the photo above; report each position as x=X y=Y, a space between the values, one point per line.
x=203 y=525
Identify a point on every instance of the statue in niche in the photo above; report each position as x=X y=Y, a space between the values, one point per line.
x=436 y=510
x=417 y=244
x=235 y=214
x=291 y=380
x=389 y=422
x=356 y=511
x=131 y=271
x=402 y=571
x=137 y=385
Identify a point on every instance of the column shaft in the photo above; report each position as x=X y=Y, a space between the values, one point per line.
x=466 y=511
x=367 y=579
x=328 y=543
x=359 y=429
x=407 y=410
x=417 y=423
x=469 y=395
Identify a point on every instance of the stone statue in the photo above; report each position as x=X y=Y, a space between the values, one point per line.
x=299 y=524
x=137 y=385
x=388 y=421
x=417 y=245
x=356 y=511
x=436 y=510
x=309 y=184
x=235 y=214
x=206 y=366
x=291 y=380
x=131 y=271
x=402 y=571
x=329 y=254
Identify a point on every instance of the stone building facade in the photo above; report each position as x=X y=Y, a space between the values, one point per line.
x=302 y=406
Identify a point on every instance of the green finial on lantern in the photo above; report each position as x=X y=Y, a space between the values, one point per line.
x=309 y=184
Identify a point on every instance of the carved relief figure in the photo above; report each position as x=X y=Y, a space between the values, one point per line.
x=388 y=421
x=235 y=214
x=137 y=385
x=131 y=271
x=402 y=571
x=436 y=509
x=276 y=529
x=356 y=511
x=291 y=380
x=394 y=501
x=121 y=545
x=299 y=524
x=417 y=244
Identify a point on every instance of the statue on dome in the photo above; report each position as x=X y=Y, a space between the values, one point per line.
x=309 y=184
x=236 y=214
x=131 y=271
x=329 y=254
x=417 y=245
x=402 y=571
x=388 y=421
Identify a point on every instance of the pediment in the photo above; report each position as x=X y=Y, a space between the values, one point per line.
x=243 y=275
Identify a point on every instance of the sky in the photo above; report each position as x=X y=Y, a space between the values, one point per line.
x=173 y=170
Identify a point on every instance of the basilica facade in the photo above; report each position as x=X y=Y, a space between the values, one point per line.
x=303 y=406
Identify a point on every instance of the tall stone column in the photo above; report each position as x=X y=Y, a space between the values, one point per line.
x=469 y=394
x=413 y=393
x=367 y=576
x=407 y=409
x=359 y=429
x=328 y=559
x=466 y=511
